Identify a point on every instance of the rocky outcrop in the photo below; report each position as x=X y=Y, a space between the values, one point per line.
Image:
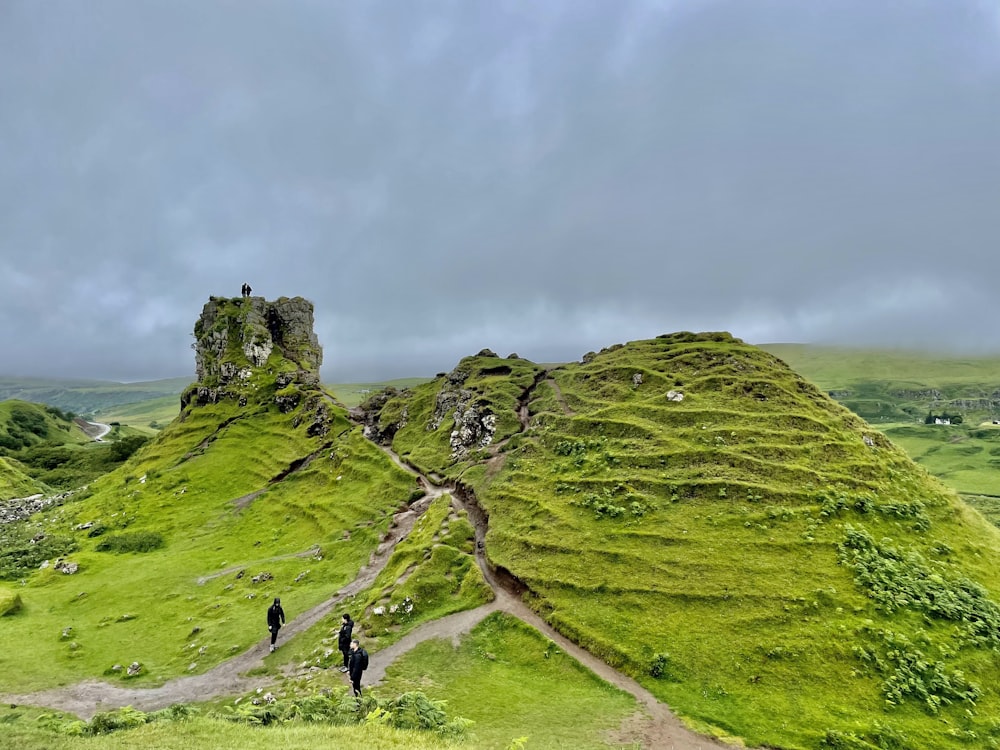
x=475 y=426
x=910 y=395
x=235 y=336
x=249 y=348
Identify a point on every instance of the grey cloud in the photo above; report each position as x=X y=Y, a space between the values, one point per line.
x=442 y=176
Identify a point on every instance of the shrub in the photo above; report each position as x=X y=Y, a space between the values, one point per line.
x=131 y=541
x=106 y=722
x=662 y=667
x=124 y=448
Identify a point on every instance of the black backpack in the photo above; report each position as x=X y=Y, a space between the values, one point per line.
x=364 y=659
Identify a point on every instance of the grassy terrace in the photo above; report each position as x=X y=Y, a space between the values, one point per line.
x=704 y=545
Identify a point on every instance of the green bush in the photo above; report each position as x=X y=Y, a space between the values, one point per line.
x=131 y=541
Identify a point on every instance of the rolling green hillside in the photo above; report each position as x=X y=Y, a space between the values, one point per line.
x=885 y=385
x=15 y=483
x=53 y=452
x=695 y=512
x=23 y=425
x=87 y=397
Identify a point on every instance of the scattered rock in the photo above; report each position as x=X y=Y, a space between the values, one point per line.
x=675 y=396
x=262 y=577
x=19 y=508
x=637 y=380
x=134 y=669
x=67 y=632
x=67 y=567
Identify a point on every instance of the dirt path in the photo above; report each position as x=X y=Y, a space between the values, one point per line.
x=560 y=398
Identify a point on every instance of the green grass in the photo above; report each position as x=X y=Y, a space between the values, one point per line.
x=21 y=728
x=966 y=457
x=707 y=530
x=514 y=683
x=10 y=601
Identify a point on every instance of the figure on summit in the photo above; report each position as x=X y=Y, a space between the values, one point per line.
x=243 y=290
x=275 y=619
x=344 y=639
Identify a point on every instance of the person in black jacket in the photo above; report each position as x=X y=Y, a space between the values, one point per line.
x=344 y=639
x=275 y=619
x=358 y=664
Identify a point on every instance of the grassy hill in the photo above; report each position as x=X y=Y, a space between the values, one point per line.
x=696 y=513
x=15 y=483
x=87 y=397
x=885 y=385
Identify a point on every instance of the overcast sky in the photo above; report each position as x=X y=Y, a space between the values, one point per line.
x=540 y=177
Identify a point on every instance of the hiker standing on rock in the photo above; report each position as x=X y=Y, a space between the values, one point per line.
x=344 y=639
x=358 y=664
x=275 y=619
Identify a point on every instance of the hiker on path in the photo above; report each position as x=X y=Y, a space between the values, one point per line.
x=344 y=639
x=358 y=664
x=275 y=619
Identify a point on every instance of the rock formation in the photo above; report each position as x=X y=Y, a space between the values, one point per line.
x=250 y=349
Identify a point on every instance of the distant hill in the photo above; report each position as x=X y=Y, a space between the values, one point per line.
x=898 y=390
x=886 y=385
x=148 y=405
x=46 y=451
x=87 y=397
